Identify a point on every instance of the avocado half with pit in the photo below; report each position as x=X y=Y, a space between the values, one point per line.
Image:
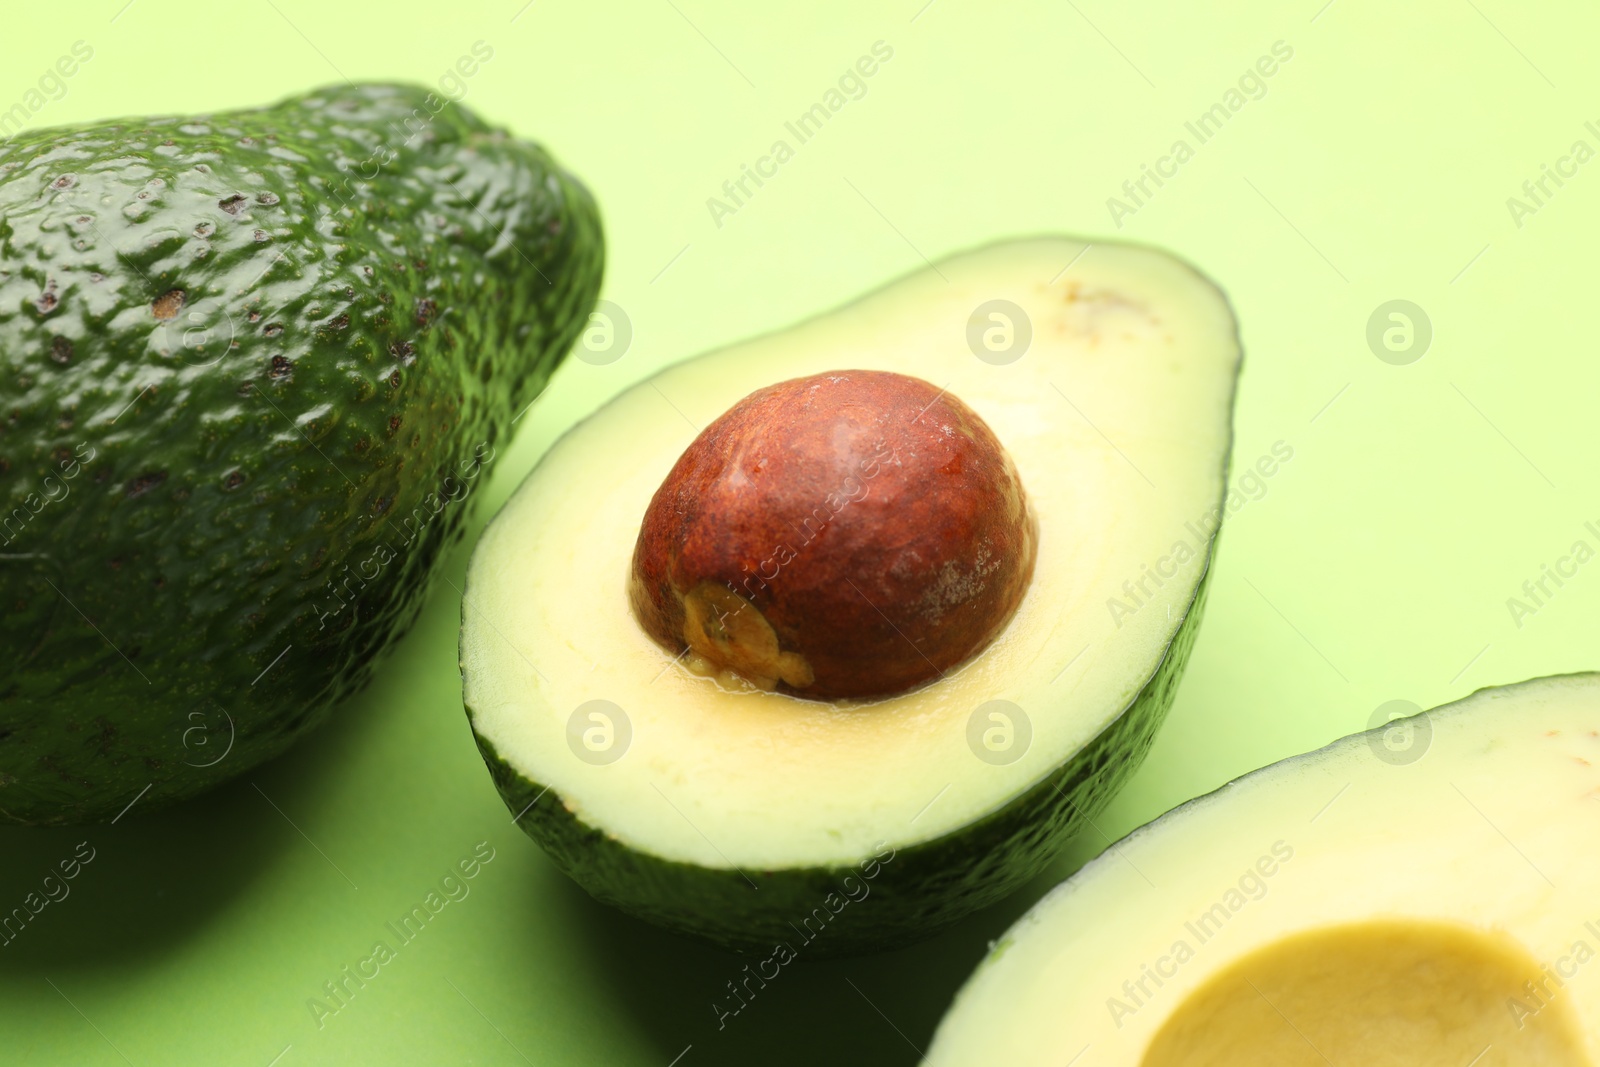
x=1425 y=894
x=821 y=641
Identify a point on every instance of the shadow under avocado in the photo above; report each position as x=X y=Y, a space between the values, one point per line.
x=879 y=1009
x=153 y=880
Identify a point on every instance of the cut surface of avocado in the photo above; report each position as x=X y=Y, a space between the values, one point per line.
x=731 y=807
x=1423 y=894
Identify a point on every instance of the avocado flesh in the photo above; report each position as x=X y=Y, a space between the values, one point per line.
x=733 y=815
x=1358 y=904
x=254 y=364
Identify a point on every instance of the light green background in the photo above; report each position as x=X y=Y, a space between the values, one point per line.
x=1376 y=567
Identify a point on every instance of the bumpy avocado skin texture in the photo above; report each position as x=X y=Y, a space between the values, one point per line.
x=252 y=366
x=914 y=893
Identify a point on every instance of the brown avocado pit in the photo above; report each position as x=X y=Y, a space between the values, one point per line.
x=845 y=535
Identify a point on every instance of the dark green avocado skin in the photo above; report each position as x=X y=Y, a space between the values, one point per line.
x=253 y=366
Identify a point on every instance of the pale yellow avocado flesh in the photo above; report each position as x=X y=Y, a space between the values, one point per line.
x=1391 y=991
x=1118 y=417
x=1355 y=906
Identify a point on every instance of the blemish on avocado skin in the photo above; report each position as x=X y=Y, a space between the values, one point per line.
x=166 y=306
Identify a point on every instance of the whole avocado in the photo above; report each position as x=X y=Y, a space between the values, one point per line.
x=252 y=367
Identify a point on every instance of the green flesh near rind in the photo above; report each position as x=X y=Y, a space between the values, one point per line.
x=256 y=364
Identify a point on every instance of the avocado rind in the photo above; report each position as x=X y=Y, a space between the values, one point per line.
x=255 y=365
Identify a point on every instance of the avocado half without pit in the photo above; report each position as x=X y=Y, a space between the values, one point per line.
x=819 y=642
x=1425 y=894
